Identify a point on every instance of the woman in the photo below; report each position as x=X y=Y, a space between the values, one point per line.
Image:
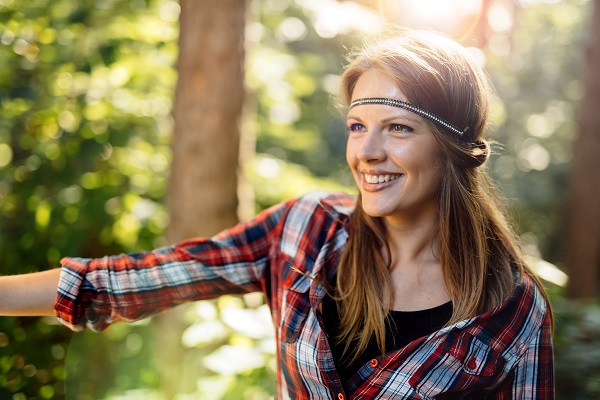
x=415 y=289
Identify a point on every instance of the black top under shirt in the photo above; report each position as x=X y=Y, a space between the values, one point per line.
x=403 y=328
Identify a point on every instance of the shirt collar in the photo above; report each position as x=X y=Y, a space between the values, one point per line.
x=339 y=205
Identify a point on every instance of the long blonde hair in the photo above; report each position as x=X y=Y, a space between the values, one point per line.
x=479 y=252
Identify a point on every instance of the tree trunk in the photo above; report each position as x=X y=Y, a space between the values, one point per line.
x=583 y=242
x=202 y=194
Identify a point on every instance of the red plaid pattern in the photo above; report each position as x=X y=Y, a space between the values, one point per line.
x=285 y=252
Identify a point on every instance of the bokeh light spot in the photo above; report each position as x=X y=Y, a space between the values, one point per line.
x=539 y=126
x=6 y=155
x=268 y=167
x=500 y=18
x=534 y=156
x=169 y=11
x=292 y=29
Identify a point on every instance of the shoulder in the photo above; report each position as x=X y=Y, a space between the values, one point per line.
x=336 y=205
x=529 y=303
x=299 y=213
x=535 y=299
x=315 y=221
x=513 y=326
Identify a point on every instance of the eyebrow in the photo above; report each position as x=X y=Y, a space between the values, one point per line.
x=393 y=117
x=406 y=117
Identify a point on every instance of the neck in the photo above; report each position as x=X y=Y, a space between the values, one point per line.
x=413 y=239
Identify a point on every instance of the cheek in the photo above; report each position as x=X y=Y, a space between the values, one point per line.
x=429 y=165
x=432 y=157
x=351 y=149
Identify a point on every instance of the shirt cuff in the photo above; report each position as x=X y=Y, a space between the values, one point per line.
x=69 y=306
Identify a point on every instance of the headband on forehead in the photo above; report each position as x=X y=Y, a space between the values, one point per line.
x=409 y=107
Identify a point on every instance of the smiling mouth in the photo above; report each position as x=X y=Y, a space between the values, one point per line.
x=381 y=178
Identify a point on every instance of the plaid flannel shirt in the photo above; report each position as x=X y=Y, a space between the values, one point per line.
x=285 y=252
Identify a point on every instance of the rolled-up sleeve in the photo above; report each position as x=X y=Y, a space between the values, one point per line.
x=93 y=293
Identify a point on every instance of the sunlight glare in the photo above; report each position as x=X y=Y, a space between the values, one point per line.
x=331 y=17
x=438 y=12
x=547 y=271
x=500 y=18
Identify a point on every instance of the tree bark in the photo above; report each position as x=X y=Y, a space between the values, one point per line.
x=583 y=242
x=203 y=185
x=202 y=194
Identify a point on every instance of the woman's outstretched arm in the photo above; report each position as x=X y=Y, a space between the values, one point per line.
x=29 y=294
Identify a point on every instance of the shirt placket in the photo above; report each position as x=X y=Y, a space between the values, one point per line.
x=325 y=359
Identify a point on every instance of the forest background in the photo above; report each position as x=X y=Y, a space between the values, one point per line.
x=87 y=95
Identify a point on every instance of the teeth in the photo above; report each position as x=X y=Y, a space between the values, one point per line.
x=380 y=178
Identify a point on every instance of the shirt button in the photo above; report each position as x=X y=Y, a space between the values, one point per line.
x=374 y=363
x=341 y=396
x=472 y=364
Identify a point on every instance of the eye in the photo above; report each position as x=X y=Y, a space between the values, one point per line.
x=356 y=127
x=399 y=128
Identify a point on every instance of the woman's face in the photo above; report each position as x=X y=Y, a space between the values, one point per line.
x=395 y=159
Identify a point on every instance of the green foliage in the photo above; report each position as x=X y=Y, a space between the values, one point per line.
x=85 y=95
x=86 y=98
x=577 y=349
x=32 y=354
x=536 y=68
x=275 y=180
x=116 y=361
x=293 y=74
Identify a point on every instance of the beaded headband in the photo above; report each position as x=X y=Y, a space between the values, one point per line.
x=409 y=107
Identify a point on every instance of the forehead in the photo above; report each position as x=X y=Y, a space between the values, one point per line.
x=375 y=83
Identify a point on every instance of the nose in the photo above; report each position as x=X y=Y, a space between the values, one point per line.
x=372 y=148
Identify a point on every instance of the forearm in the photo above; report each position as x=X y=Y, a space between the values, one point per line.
x=29 y=294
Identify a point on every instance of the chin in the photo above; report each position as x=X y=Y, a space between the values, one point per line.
x=375 y=212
